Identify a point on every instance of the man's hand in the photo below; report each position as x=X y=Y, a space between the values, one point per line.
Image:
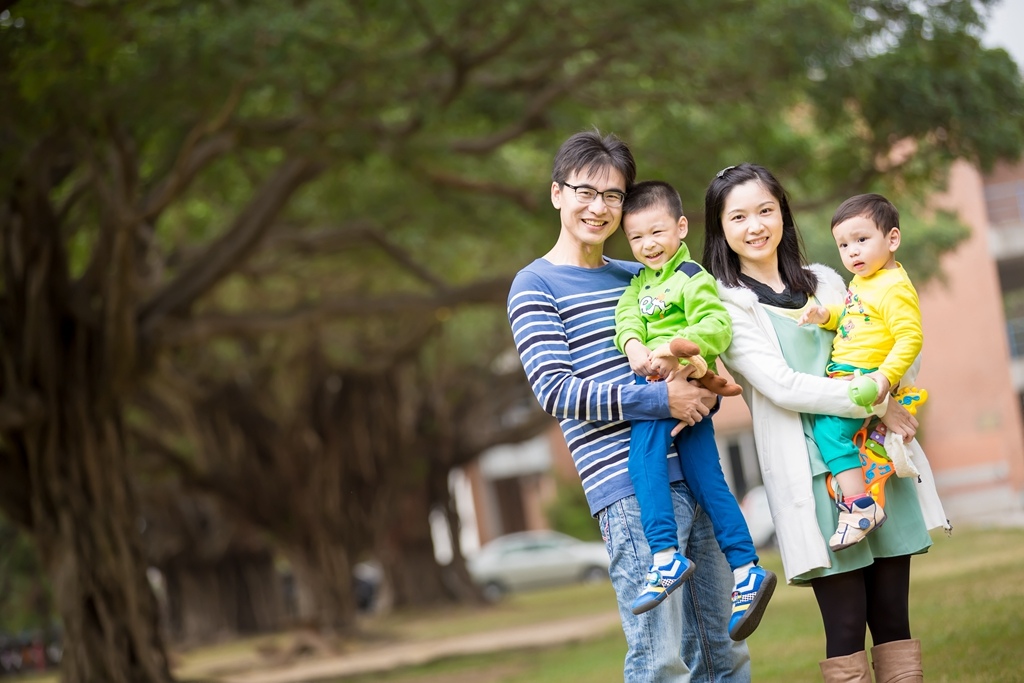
x=898 y=420
x=814 y=314
x=688 y=402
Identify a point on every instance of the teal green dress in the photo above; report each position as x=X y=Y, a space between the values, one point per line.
x=807 y=349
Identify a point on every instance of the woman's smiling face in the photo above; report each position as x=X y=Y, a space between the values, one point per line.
x=752 y=223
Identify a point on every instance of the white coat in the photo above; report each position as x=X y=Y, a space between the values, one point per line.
x=777 y=395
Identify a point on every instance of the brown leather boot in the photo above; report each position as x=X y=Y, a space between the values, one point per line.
x=849 y=669
x=898 y=662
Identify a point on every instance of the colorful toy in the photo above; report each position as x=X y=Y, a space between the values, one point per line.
x=883 y=453
x=876 y=464
x=863 y=390
x=911 y=398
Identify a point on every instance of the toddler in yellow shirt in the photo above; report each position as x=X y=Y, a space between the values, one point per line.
x=878 y=331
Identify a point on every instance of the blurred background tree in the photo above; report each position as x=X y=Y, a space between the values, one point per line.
x=262 y=248
x=25 y=601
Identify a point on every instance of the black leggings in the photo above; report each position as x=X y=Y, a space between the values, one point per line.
x=875 y=598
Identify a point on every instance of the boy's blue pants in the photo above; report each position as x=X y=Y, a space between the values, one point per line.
x=698 y=458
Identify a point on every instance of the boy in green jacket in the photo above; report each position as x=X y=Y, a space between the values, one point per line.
x=674 y=298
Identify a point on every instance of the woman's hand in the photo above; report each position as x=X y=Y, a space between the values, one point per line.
x=898 y=420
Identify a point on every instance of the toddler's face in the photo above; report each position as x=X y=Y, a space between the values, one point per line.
x=653 y=235
x=864 y=248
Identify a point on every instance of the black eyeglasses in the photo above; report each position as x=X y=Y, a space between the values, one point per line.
x=584 y=195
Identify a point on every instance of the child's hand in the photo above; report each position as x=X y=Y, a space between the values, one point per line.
x=814 y=314
x=639 y=358
x=883 y=386
x=664 y=367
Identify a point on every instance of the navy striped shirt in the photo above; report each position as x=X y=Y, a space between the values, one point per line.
x=563 y=323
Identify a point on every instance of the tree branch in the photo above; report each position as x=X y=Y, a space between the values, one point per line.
x=234 y=246
x=404 y=258
x=77 y=192
x=518 y=29
x=362 y=232
x=192 y=159
x=533 y=422
x=320 y=240
x=526 y=200
x=196 y=152
x=533 y=115
x=190 y=475
x=203 y=327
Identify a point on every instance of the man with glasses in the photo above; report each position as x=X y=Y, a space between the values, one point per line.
x=561 y=308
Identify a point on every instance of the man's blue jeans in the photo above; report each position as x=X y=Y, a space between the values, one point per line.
x=686 y=638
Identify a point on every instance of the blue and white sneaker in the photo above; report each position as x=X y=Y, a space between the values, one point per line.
x=661 y=581
x=749 y=599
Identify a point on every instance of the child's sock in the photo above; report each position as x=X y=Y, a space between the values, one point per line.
x=857 y=496
x=740 y=573
x=663 y=557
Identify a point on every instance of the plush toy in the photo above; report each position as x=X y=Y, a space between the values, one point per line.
x=910 y=398
x=686 y=350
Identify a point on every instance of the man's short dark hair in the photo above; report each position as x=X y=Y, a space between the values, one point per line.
x=589 y=151
x=652 y=193
x=872 y=206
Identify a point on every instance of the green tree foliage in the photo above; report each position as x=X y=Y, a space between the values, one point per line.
x=569 y=513
x=26 y=602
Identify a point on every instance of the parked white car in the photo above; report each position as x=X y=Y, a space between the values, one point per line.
x=530 y=559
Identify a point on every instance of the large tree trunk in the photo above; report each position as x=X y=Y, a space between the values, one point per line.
x=64 y=461
x=210 y=600
x=86 y=526
x=323 y=578
x=407 y=553
x=289 y=478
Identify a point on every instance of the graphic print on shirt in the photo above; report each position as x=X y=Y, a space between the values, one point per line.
x=853 y=308
x=649 y=305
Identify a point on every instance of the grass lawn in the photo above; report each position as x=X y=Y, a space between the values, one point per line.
x=967 y=602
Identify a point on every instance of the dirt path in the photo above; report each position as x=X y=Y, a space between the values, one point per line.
x=387 y=657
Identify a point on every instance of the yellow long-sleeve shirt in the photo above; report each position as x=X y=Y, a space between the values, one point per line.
x=879 y=326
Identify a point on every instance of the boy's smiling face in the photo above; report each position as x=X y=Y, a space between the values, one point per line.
x=864 y=248
x=654 y=235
